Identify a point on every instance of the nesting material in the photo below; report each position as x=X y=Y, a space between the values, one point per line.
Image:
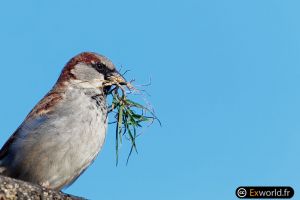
x=130 y=116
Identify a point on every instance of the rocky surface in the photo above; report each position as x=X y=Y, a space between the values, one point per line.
x=12 y=189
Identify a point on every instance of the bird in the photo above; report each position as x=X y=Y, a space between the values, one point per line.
x=63 y=134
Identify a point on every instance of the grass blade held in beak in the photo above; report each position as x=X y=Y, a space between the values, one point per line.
x=128 y=121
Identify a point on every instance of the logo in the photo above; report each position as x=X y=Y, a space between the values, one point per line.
x=254 y=192
x=241 y=192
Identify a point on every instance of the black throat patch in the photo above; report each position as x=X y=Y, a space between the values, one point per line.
x=100 y=101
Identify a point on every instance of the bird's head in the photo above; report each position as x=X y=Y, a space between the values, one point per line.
x=90 y=70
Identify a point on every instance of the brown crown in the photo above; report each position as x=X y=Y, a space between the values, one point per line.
x=85 y=57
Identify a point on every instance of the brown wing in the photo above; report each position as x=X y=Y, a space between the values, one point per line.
x=6 y=146
x=43 y=107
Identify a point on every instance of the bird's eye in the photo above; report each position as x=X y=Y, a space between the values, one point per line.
x=102 y=68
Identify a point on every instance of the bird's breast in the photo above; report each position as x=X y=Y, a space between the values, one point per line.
x=86 y=115
x=58 y=146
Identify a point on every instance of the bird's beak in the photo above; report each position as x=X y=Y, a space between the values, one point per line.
x=116 y=78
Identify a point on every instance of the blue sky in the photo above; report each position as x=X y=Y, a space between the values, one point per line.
x=225 y=84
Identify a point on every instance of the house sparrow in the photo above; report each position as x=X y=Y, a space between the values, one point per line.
x=65 y=131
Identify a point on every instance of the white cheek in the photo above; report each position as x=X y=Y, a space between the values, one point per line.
x=95 y=83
